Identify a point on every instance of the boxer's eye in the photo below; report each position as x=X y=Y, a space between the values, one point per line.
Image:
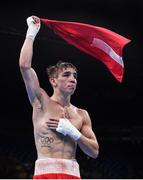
x=67 y=74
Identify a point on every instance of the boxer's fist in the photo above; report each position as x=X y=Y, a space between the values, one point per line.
x=34 y=25
x=66 y=128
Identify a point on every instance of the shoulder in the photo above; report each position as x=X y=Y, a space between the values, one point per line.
x=82 y=112
x=43 y=92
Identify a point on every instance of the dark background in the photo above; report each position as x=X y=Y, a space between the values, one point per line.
x=115 y=108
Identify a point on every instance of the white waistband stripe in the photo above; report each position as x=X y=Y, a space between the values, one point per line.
x=52 y=165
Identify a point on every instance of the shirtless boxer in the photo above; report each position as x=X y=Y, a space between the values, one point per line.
x=58 y=125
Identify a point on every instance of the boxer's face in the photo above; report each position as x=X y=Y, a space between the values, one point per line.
x=66 y=80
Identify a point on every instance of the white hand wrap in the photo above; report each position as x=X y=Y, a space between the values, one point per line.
x=33 y=29
x=66 y=128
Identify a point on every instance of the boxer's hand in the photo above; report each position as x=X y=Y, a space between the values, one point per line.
x=66 y=128
x=34 y=25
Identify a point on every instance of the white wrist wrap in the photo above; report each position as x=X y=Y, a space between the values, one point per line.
x=66 y=128
x=33 y=29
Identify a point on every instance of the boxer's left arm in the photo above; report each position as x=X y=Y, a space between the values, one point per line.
x=88 y=141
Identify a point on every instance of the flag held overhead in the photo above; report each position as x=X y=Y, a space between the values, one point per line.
x=101 y=43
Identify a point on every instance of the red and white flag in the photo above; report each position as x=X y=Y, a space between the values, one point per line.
x=99 y=42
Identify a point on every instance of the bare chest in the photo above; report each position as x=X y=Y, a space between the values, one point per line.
x=49 y=140
x=57 y=112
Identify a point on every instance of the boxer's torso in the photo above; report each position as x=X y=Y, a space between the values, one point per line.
x=50 y=143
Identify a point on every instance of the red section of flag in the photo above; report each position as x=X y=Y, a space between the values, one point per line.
x=101 y=43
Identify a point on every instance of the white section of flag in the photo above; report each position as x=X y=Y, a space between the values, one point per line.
x=107 y=49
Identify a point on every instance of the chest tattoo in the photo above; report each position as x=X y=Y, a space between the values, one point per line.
x=46 y=141
x=66 y=113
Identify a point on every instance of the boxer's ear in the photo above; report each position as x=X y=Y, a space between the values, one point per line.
x=53 y=82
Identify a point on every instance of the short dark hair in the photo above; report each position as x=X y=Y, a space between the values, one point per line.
x=53 y=70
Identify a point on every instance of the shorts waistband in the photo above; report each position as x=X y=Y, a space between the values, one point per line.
x=53 y=165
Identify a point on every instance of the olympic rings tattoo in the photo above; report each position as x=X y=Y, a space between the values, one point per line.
x=46 y=141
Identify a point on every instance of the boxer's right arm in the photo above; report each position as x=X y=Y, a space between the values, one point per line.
x=29 y=76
